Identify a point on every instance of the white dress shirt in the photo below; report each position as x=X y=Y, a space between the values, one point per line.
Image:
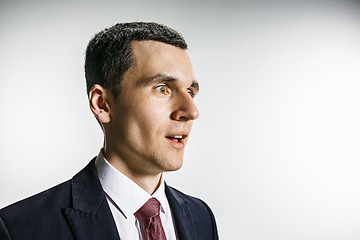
x=125 y=197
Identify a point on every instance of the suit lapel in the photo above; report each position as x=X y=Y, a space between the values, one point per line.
x=181 y=215
x=90 y=216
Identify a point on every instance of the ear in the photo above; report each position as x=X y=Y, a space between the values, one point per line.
x=99 y=101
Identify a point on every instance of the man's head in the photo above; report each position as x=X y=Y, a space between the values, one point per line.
x=109 y=54
x=148 y=119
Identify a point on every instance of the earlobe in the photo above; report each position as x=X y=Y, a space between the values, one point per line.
x=99 y=103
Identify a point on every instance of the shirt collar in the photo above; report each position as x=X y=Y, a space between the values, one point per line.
x=125 y=193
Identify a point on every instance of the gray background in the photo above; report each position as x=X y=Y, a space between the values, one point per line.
x=275 y=151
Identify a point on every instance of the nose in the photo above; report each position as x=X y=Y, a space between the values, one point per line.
x=185 y=108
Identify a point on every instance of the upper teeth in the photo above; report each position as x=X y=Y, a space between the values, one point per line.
x=178 y=136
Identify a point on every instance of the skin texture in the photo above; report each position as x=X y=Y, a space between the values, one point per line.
x=155 y=104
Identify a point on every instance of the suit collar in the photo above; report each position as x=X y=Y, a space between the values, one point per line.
x=181 y=214
x=86 y=189
x=127 y=196
x=90 y=216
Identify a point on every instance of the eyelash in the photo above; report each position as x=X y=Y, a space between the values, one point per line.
x=168 y=91
x=191 y=93
x=160 y=86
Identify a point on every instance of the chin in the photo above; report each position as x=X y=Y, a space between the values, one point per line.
x=166 y=162
x=175 y=168
x=173 y=165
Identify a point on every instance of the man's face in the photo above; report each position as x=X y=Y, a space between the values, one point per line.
x=152 y=117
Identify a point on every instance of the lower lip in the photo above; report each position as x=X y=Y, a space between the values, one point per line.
x=178 y=145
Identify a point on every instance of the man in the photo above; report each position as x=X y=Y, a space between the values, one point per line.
x=141 y=87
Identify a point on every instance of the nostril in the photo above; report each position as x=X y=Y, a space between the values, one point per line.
x=183 y=118
x=185 y=113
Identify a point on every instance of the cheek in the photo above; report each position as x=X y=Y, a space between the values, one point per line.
x=149 y=118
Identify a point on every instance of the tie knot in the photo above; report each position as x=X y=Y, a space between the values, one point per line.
x=150 y=209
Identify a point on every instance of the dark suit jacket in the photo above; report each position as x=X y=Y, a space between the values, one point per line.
x=78 y=209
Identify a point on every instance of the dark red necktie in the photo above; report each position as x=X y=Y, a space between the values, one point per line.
x=149 y=214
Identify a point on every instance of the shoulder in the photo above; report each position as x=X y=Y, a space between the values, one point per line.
x=41 y=211
x=193 y=202
x=57 y=195
x=43 y=216
x=200 y=213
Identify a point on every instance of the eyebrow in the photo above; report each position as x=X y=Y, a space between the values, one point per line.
x=158 y=78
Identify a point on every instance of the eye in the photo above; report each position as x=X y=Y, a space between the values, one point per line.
x=191 y=93
x=163 y=89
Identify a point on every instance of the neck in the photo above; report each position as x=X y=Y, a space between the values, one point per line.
x=149 y=182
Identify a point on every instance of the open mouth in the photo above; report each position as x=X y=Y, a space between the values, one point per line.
x=177 y=138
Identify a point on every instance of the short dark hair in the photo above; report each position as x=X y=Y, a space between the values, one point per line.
x=109 y=55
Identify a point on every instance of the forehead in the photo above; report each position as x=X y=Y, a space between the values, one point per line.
x=153 y=58
x=148 y=48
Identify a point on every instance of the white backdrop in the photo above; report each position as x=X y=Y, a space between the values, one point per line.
x=275 y=152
